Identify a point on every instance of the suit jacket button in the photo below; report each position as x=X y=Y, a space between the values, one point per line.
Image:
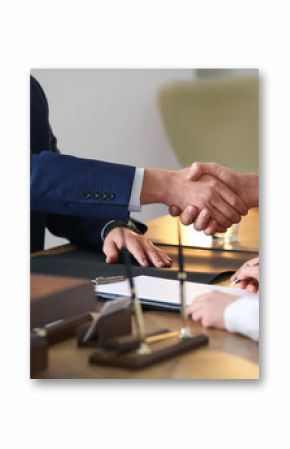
x=96 y=195
x=104 y=196
x=111 y=196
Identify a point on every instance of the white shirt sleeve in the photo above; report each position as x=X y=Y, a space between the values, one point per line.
x=242 y=316
x=135 y=203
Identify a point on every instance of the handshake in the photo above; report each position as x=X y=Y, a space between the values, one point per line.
x=211 y=196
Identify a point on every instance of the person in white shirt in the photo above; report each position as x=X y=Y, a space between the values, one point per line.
x=223 y=311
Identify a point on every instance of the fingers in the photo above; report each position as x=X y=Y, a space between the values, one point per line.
x=174 y=211
x=139 y=247
x=167 y=261
x=253 y=286
x=202 y=220
x=135 y=248
x=223 y=221
x=197 y=302
x=227 y=211
x=198 y=310
x=247 y=273
x=145 y=252
x=236 y=275
x=211 y=227
x=189 y=215
x=197 y=315
x=243 y=284
x=232 y=199
x=221 y=229
x=193 y=309
x=156 y=257
x=111 y=251
x=250 y=284
x=228 y=183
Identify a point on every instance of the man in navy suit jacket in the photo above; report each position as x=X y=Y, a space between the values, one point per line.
x=80 y=199
x=68 y=209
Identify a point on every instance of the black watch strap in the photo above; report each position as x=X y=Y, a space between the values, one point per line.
x=129 y=224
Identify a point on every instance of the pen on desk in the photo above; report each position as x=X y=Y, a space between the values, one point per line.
x=100 y=280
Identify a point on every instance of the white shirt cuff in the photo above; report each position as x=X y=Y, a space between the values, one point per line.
x=242 y=316
x=135 y=198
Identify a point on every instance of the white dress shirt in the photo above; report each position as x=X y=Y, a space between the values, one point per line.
x=242 y=316
x=135 y=198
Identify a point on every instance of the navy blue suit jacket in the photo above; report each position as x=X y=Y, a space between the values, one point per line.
x=71 y=196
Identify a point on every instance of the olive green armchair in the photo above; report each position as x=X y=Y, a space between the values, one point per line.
x=213 y=120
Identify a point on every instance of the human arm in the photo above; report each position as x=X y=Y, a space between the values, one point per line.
x=80 y=200
x=88 y=233
x=223 y=311
x=174 y=187
x=89 y=184
x=67 y=185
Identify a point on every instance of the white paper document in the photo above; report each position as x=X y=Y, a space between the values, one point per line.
x=164 y=290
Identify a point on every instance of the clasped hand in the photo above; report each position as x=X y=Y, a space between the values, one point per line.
x=216 y=197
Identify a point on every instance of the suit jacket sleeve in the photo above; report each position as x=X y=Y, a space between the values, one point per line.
x=92 y=189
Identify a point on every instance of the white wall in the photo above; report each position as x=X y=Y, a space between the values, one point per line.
x=110 y=114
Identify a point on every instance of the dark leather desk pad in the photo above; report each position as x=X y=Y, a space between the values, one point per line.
x=202 y=265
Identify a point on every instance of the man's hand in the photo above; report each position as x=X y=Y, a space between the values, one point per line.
x=208 y=193
x=245 y=186
x=248 y=274
x=139 y=246
x=209 y=309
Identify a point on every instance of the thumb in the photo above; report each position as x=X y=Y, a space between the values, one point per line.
x=197 y=169
x=110 y=250
x=194 y=172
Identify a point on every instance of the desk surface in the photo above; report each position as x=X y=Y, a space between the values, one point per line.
x=228 y=356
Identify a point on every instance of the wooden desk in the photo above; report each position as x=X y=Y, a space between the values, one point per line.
x=228 y=356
